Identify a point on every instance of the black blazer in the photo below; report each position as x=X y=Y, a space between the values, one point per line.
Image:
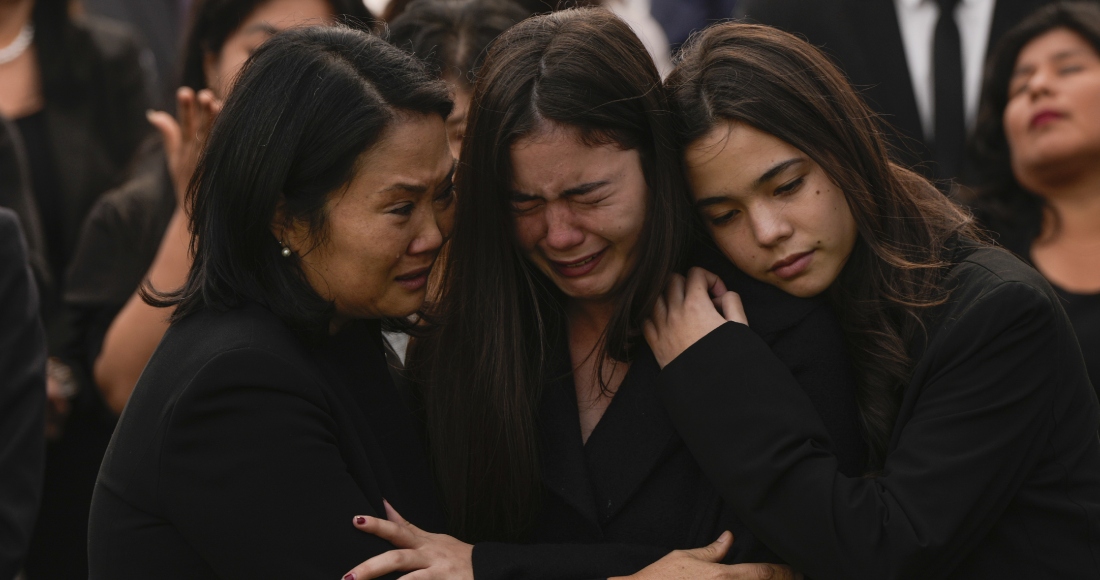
x=244 y=453
x=864 y=39
x=22 y=397
x=634 y=491
x=993 y=469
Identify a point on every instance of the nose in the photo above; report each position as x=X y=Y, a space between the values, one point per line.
x=1041 y=83
x=770 y=226
x=433 y=231
x=562 y=232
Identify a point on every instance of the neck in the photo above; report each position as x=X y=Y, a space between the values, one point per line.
x=13 y=15
x=1076 y=205
x=589 y=317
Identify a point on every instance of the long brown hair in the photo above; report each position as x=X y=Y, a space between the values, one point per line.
x=483 y=365
x=782 y=85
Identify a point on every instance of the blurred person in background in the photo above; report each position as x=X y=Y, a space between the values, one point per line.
x=451 y=37
x=918 y=63
x=680 y=18
x=1038 y=140
x=22 y=397
x=76 y=93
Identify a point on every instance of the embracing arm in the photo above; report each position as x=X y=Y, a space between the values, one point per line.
x=983 y=415
x=252 y=474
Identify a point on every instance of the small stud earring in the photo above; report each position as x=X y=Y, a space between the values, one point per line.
x=285 y=251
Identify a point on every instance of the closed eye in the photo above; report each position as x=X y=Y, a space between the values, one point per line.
x=790 y=186
x=724 y=218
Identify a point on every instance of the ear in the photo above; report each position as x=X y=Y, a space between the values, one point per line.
x=284 y=228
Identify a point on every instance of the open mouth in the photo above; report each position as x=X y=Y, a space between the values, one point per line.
x=414 y=280
x=579 y=267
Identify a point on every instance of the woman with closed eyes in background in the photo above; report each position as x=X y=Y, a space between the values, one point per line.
x=1038 y=138
x=973 y=396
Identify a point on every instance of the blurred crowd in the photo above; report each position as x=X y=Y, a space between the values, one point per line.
x=105 y=104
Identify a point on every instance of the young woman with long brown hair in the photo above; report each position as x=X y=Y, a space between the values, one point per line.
x=981 y=422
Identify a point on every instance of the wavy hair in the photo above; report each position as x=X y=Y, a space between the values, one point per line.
x=783 y=86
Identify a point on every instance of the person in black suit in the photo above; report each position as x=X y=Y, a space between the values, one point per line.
x=588 y=230
x=892 y=61
x=22 y=397
x=981 y=421
x=267 y=417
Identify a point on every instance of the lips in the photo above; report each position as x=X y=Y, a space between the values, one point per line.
x=414 y=280
x=1045 y=117
x=579 y=267
x=792 y=265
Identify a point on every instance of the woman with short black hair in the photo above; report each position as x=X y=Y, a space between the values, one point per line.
x=267 y=416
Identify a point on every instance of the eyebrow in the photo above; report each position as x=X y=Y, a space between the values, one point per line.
x=261 y=27
x=576 y=190
x=418 y=188
x=1063 y=55
x=764 y=178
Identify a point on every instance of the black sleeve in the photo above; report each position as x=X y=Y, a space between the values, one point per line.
x=22 y=398
x=498 y=561
x=246 y=450
x=976 y=430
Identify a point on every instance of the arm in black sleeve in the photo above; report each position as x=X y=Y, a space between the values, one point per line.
x=983 y=413
x=253 y=477
x=22 y=398
x=499 y=561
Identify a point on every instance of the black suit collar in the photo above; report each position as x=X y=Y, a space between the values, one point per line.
x=599 y=478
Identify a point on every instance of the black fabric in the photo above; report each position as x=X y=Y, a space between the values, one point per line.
x=47 y=190
x=947 y=68
x=244 y=453
x=1084 y=312
x=22 y=397
x=993 y=469
x=634 y=488
x=16 y=194
x=864 y=39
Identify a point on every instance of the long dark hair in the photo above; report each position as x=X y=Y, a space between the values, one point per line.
x=451 y=36
x=782 y=85
x=213 y=21
x=280 y=140
x=1002 y=203
x=500 y=320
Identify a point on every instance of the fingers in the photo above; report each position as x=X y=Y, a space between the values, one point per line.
x=732 y=309
x=399 y=534
x=168 y=128
x=392 y=515
x=715 y=551
x=385 y=563
x=185 y=110
x=205 y=111
x=649 y=331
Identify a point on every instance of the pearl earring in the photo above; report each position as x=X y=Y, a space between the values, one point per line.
x=285 y=251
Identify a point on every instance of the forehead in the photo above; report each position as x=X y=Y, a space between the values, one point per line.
x=555 y=157
x=413 y=150
x=283 y=14
x=1053 y=44
x=735 y=153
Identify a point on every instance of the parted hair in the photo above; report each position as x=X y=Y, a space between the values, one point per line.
x=783 y=86
x=281 y=147
x=500 y=320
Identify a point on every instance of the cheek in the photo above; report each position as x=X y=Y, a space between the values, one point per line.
x=529 y=230
x=739 y=247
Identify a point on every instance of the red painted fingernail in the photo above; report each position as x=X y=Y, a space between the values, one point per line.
x=359 y=520
x=349 y=576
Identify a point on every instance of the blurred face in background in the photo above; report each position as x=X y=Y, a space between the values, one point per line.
x=772 y=210
x=268 y=18
x=456 y=123
x=1052 y=120
x=579 y=211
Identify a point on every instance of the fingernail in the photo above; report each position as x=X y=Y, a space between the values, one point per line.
x=149 y=114
x=349 y=576
x=360 y=520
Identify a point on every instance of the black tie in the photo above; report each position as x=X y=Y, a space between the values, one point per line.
x=950 y=122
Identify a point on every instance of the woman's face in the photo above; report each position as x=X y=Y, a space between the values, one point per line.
x=579 y=211
x=771 y=209
x=268 y=18
x=383 y=232
x=1052 y=120
x=456 y=122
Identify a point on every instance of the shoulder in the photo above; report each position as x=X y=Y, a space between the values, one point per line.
x=982 y=273
x=9 y=227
